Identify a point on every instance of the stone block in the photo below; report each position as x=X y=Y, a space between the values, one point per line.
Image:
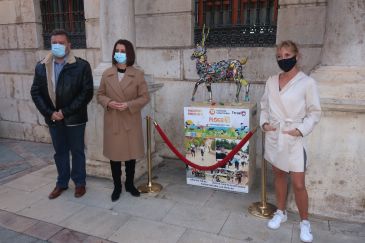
x=40 y=133
x=160 y=63
x=189 y=66
x=27 y=112
x=30 y=11
x=29 y=183
x=12 y=37
x=12 y=130
x=8 y=12
x=8 y=90
x=9 y=109
x=170 y=30
x=91 y=9
x=92 y=33
x=29 y=35
x=42 y=230
x=17 y=61
x=93 y=57
x=15 y=222
x=304 y=24
x=162 y=6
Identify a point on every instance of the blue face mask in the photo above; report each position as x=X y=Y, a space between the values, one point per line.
x=58 y=50
x=120 y=57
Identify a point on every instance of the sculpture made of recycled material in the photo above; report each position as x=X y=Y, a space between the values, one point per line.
x=226 y=70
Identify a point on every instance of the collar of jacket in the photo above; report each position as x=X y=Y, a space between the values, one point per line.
x=49 y=58
x=129 y=71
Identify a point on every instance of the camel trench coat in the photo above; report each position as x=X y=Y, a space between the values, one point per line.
x=297 y=105
x=123 y=137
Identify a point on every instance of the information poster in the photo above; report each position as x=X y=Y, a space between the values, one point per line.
x=210 y=134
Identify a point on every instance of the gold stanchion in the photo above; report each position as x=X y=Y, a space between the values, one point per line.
x=150 y=186
x=262 y=209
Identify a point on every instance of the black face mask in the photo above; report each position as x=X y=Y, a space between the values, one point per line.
x=287 y=64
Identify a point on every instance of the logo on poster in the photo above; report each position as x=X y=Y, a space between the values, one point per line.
x=212 y=111
x=240 y=113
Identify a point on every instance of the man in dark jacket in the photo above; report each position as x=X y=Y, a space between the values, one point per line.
x=61 y=89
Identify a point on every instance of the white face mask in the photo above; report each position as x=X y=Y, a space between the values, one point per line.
x=58 y=50
x=120 y=57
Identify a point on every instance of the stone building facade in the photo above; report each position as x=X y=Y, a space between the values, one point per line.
x=330 y=35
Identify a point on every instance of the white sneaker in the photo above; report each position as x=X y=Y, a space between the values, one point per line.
x=279 y=217
x=305 y=231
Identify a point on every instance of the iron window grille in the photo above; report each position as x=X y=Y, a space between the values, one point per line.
x=67 y=15
x=236 y=23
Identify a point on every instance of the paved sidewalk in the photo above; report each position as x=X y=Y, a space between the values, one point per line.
x=179 y=213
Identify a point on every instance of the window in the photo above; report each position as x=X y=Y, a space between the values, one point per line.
x=67 y=15
x=235 y=23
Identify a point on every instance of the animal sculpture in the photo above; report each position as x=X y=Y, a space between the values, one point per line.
x=226 y=70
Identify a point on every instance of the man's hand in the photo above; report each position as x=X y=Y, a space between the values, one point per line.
x=57 y=116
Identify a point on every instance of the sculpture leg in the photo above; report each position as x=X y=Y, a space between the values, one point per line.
x=247 y=98
x=209 y=87
x=239 y=86
x=196 y=88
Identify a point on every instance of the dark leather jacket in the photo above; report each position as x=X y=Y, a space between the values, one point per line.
x=73 y=92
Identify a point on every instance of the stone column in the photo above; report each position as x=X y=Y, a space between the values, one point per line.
x=117 y=21
x=335 y=178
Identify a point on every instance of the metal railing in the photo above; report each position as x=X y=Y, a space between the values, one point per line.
x=235 y=23
x=67 y=15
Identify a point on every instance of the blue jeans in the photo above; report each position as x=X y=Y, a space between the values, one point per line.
x=68 y=139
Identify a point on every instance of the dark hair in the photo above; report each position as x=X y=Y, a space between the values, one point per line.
x=129 y=51
x=61 y=32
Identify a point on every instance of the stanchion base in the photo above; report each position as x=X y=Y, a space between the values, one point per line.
x=256 y=209
x=155 y=187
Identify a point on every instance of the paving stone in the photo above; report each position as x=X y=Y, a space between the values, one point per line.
x=6 y=172
x=204 y=219
x=96 y=221
x=21 y=238
x=95 y=197
x=52 y=211
x=192 y=195
x=203 y=237
x=138 y=230
x=14 y=200
x=29 y=183
x=346 y=228
x=49 y=171
x=43 y=230
x=246 y=227
x=15 y=222
x=144 y=207
x=327 y=236
x=68 y=236
x=7 y=155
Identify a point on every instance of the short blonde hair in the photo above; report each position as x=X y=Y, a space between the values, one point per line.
x=289 y=44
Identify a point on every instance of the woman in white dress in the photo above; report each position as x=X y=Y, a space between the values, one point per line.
x=290 y=108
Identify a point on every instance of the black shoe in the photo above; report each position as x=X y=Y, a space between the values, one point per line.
x=132 y=190
x=129 y=173
x=116 y=194
x=116 y=174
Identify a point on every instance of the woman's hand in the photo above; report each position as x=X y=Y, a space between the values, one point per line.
x=267 y=127
x=294 y=132
x=120 y=106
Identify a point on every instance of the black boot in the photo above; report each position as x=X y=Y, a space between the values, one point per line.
x=116 y=167
x=129 y=172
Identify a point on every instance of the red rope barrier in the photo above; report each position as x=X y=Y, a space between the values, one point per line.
x=199 y=167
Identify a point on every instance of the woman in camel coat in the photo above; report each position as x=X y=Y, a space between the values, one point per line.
x=123 y=93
